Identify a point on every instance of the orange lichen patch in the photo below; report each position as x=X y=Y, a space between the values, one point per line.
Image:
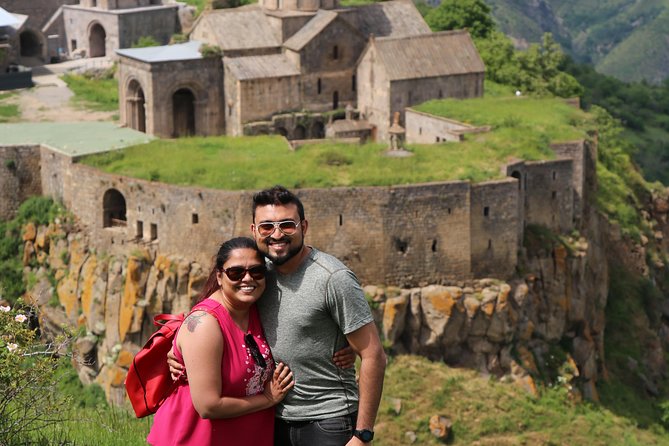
x=442 y=301
x=560 y=253
x=81 y=320
x=117 y=376
x=77 y=253
x=29 y=232
x=88 y=280
x=527 y=384
x=42 y=241
x=162 y=263
x=124 y=359
x=41 y=257
x=67 y=295
x=131 y=294
x=60 y=274
x=527 y=360
x=389 y=313
x=488 y=308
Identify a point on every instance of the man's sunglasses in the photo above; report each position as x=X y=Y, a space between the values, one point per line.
x=236 y=273
x=287 y=227
x=255 y=351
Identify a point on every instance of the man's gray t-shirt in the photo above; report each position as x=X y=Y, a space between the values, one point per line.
x=306 y=315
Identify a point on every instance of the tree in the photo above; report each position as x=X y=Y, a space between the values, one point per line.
x=473 y=15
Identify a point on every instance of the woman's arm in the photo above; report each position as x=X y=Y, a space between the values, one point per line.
x=201 y=343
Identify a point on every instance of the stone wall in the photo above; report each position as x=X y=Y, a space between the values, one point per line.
x=424 y=128
x=549 y=200
x=19 y=177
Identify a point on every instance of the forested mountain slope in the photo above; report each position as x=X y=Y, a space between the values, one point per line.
x=626 y=39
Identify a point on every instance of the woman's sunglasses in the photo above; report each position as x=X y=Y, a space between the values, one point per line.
x=236 y=273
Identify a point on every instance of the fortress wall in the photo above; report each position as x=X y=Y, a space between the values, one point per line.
x=400 y=235
x=159 y=22
x=576 y=151
x=56 y=173
x=404 y=235
x=19 y=177
x=549 y=194
x=494 y=223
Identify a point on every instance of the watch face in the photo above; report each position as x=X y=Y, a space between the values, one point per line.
x=365 y=435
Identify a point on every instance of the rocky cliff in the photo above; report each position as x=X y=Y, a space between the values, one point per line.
x=547 y=324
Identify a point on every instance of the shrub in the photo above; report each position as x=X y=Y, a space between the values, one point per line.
x=28 y=380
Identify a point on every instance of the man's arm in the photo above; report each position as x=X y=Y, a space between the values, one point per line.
x=365 y=341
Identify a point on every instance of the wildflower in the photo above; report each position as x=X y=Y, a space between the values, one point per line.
x=20 y=318
x=12 y=347
x=5 y=309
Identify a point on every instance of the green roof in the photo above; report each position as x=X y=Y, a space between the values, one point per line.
x=75 y=139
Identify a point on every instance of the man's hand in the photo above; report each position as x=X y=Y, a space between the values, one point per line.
x=344 y=358
x=281 y=382
x=177 y=369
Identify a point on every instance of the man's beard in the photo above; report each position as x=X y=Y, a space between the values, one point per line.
x=292 y=252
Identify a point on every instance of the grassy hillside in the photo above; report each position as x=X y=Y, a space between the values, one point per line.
x=521 y=128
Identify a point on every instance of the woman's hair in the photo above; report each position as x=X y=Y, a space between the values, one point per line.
x=224 y=253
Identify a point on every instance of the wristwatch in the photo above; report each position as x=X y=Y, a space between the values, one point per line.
x=365 y=435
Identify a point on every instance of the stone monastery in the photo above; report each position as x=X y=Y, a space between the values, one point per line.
x=295 y=56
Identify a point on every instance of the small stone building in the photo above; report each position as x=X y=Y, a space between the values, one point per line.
x=395 y=73
x=97 y=27
x=296 y=57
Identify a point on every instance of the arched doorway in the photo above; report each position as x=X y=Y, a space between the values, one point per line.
x=135 y=107
x=113 y=209
x=97 y=41
x=30 y=43
x=183 y=110
x=299 y=132
x=318 y=130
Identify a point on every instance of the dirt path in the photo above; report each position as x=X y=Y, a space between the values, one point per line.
x=50 y=101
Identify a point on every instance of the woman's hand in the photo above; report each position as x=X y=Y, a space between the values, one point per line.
x=177 y=369
x=344 y=358
x=281 y=382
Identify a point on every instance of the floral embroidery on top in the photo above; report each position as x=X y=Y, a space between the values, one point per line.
x=256 y=384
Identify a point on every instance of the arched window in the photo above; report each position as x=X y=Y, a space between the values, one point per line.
x=113 y=209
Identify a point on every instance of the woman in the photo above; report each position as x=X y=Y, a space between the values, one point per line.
x=232 y=383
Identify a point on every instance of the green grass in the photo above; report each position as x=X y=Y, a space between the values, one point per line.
x=522 y=128
x=487 y=412
x=8 y=112
x=95 y=94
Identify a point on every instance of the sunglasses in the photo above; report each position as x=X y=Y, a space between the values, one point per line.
x=255 y=351
x=287 y=227
x=236 y=273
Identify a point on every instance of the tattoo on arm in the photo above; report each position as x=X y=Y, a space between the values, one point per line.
x=193 y=320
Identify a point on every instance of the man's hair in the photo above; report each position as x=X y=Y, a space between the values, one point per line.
x=277 y=195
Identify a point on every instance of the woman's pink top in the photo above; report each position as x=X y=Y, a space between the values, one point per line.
x=177 y=422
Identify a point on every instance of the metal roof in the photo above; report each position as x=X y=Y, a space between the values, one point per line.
x=181 y=51
x=261 y=67
x=429 y=55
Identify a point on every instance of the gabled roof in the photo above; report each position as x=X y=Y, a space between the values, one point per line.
x=260 y=67
x=313 y=27
x=429 y=55
x=236 y=29
x=397 y=18
x=181 y=51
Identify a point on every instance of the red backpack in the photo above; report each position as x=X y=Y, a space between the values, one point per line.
x=148 y=382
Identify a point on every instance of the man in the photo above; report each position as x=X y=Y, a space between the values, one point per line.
x=314 y=306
